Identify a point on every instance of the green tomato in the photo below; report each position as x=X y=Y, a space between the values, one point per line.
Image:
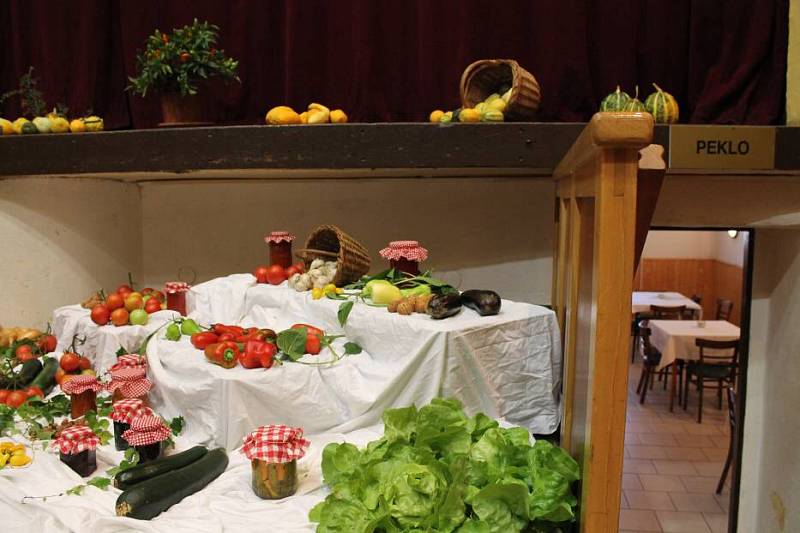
x=173 y=332
x=189 y=327
x=138 y=317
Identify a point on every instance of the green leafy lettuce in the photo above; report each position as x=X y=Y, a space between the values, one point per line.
x=436 y=470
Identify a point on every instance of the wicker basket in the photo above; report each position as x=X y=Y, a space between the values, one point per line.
x=484 y=77
x=329 y=242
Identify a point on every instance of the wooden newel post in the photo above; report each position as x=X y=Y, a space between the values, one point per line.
x=596 y=186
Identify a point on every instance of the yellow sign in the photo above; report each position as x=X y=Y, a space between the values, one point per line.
x=722 y=147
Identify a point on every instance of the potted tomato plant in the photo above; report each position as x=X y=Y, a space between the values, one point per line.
x=178 y=65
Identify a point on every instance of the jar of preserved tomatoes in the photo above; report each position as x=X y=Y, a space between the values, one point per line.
x=82 y=391
x=122 y=413
x=273 y=451
x=405 y=256
x=176 y=296
x=129 y=382
x=147 y=435
x=280 y=248
x=77 y=447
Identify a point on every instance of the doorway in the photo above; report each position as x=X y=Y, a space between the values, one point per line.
x=675 y=453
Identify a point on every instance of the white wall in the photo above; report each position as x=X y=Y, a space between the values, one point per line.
x=677 y=244
x=770 y=499
x=61 y=240
x=480 y=233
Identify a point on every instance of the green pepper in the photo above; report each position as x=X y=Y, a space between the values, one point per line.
x=419 y=290
x=173 y=332
x=189 y=327
x=367 y=292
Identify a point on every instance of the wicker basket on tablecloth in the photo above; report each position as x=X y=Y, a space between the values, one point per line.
x=329 y=243
x=485 y=77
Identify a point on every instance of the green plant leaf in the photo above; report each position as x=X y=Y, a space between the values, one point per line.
x=292 y=342
x=176 y=425
x=351 y=348
x=344 y=312
x=100 y=482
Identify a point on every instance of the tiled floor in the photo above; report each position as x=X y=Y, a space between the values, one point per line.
x=672 y=464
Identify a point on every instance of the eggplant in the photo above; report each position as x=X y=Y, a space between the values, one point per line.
x=485 y=303
x=444 y=306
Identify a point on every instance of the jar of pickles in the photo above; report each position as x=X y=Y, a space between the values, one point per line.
x=122 y=412
x=273 y=452
x=280 y=248
x=129 y=382
x=82 y=391
x=176 y=296
x=77 y=447
x=147 y=435
x=405 y=256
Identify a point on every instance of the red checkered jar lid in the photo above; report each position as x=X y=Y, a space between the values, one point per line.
x=410 y=250
x=131 y=381
x=275 y=444
x=146 y=429
x=126 y=410
x=172 y=287
x=129 y=360
x=81 y=384
x=279 y=236
x=76 y=439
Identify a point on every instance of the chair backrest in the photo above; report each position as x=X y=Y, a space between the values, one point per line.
x=724 y=309
x=716 y=357
x=689 y=314
x=696 y=298
x=644 y=334
x=732 y=409
x=669 y=313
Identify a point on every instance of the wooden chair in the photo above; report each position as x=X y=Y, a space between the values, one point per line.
x=724 y=309
x=638 y=320
x=651 y=358
x=690 y=314
x=716 y=368
x=667 y=313
x=732 y=420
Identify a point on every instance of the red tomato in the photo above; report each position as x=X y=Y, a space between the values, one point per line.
x=115 y=301
x=34 y=391
x=48 y=343
x=60 y=373
x=84 y=363
x=16 y=398
x=119 y=317
x=276 y=275
x=260 y=273
x=69 y=362
x=152 y=305
x=292 y=270
x=300 y=266
x=100 y=314
x=24 y=352
x=124 y=288
x=185 y=57
x=3 y=395
x=313 y=343
x=309 y=329
x=147 y=290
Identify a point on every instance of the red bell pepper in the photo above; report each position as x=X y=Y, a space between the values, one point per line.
x=219 y=329
x=309 y=329
x=203 y=339
x=255 y=334
x=224 y=354
x=258 y=354
x=227 y=336
x=313 y=343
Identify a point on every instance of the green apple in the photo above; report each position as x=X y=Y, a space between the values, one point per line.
x=138 y=317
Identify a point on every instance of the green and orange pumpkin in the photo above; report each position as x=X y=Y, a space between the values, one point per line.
x=662 y=106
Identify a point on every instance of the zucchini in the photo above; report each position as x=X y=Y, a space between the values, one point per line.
x=128 y=478
x=151 y=497
x=46 y=379
x=30 y=369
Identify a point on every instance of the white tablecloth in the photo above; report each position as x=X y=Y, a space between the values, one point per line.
x=507 y=366
x=102 y=342
x=643 y=300
x=227 y=504
x=675 y=338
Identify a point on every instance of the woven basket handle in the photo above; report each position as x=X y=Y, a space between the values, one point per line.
x=303 y=252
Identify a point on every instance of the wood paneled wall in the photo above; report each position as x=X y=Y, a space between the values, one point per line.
x=708 y=278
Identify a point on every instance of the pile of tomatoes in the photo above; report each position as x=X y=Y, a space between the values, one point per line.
x=126 y=306
x=15 y=398
x=276 y=274
x=70 y=365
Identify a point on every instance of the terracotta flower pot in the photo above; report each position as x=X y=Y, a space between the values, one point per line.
x=184 y=111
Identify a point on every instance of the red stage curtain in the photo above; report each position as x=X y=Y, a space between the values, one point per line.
x=396 y=60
